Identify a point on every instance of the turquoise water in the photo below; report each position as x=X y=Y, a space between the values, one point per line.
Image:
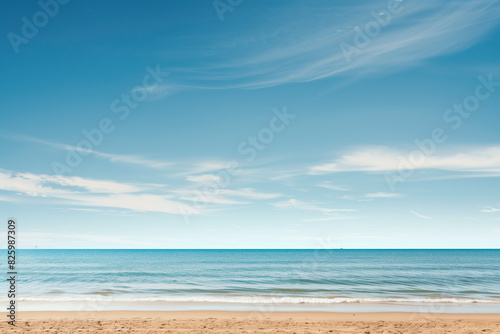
x=325 y=278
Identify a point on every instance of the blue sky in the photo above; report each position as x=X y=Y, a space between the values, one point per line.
x=291 y=124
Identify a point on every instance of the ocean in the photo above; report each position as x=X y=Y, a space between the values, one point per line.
x=327 y=280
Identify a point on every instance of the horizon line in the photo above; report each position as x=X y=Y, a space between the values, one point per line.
x=228 y=249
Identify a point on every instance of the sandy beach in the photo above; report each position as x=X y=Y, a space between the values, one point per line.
x=212 y=322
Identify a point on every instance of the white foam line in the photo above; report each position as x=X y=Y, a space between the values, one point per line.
x=266 y=300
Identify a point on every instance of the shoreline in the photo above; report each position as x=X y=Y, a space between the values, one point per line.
x=276 y=315
x=102 y=305
x=234 y=322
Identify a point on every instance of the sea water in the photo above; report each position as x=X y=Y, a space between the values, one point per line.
x=328 y=280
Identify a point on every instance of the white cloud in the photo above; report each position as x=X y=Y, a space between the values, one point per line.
x=356 y=198
x=136 y=202
x=200 y=167
x=43 y=185
x=371 y=196
x=419 y=215
x=490 y=209
x=92 y=193
x=384 y=159
x=249 y=193
x=135 y=160
x=91 y=185
x=158 y=91
x=330 y=186
x=200 y=197
x=384 y=195
x=308 y=48
x=187 y=168
x=218 y=195
x=120 y=158
x=300 y=205
x=204 y=178
x=85 y=209
x=27 y=185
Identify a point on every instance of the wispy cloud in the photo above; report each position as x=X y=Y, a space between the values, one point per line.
x=249 y=193
x=419 y=215
x=330 y=186
x=490 y=209
x=329 y=214
x=371 y=196
x=92 y=193
x=219 y=195
x=194 y=169
x=115 y=158
x=384 y=195
x=300 y=205
x=309 y=50
x=384 y=159
x=356 y=198
x=156 y=92
x=456 y=176
x=136 y=202
x=187 y=169
x=44 y=185
x=204 y=178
